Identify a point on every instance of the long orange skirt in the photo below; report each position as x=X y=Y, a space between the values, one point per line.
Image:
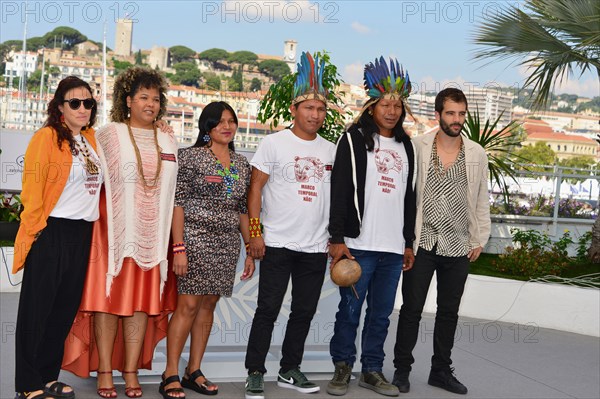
x=133 y=290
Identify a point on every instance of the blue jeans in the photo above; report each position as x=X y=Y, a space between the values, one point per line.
x=378 y=283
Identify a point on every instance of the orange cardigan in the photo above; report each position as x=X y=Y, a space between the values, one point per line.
x=45 y=173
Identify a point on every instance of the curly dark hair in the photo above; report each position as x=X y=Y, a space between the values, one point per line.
x=210 y=118
x=129 y=82
x=62 y=131
x=369 y=128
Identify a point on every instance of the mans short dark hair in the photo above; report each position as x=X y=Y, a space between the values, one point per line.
x=451 y=94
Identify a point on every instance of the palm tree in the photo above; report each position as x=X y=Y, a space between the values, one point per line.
x=551 y=37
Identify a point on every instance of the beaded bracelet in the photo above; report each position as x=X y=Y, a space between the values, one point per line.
x=179 y=248
x=255 y=228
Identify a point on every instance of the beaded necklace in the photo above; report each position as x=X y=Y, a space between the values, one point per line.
x=139 y=158
x=90 y=166
x=229 y=174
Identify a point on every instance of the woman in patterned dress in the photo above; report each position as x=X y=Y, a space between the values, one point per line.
x=210 y=212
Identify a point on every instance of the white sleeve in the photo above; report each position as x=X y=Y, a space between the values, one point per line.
x=263 y=158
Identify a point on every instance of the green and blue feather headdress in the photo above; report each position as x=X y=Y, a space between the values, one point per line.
x=309 y=80
x=383 y=82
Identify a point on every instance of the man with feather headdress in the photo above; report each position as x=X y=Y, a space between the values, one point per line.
x=288 y=204
x=372 y=220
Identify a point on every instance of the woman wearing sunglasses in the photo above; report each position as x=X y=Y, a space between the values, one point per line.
x=125 y=289
x=61 y=187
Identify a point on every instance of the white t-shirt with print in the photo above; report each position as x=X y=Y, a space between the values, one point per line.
x=295 y=199
x=81 y=195
x=385 y=188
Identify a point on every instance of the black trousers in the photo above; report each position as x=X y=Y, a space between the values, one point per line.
x=451 y=277
x=307 y=271
x=53 y=280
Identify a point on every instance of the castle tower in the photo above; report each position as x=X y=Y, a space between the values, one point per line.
x=123 y=37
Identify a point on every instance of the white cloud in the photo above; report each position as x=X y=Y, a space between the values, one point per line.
x=360 y=28
x=353 y=73
x=292 y=11
x=584 y=86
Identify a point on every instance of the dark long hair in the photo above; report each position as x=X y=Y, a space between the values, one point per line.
x=369 y=128
x=62 y=131
x=210 y=118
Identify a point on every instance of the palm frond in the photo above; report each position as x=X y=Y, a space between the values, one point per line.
x=550 y=36
x=496 y=143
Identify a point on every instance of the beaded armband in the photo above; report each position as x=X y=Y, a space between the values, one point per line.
x=255 y=228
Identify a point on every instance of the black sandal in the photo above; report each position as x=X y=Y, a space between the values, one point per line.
x=27 y=395
x=190 y=383
x=165 y=393
x=57 y=390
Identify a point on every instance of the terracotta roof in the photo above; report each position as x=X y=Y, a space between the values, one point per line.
x=536 y=126
x=559 y=137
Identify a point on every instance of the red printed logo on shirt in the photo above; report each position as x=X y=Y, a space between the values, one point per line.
x=387 y=161
x=307 y=167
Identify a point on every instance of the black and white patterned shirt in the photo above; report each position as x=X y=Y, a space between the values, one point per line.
x=445 y=208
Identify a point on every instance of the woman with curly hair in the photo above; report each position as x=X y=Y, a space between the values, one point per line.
x=125 y=286
x=61 y=180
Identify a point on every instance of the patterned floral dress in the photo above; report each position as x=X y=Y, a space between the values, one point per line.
x=212 y=201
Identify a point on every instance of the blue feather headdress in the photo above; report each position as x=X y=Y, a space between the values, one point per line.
x=309 y=80
x=384 y=82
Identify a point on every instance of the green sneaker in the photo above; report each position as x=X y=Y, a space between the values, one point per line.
x=375 y=381
x=338 y=385
x=294 y=379
x=255 y=386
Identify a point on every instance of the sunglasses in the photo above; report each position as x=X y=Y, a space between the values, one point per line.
x=75 y=103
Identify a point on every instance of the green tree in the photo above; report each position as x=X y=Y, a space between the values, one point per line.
x=275 y=105
x=120 y=66
x=181 y=54
x=4 y=51
x=33 y=81
x=537 y=156
x=187 y=73
x=576 y=164
x=139 y=60
x=275 y=69
x=211 y=81
x=255 y=84
x=243 y=57
x=235 y=82
x=551 y=37
x=214 y=55
x=69 y=37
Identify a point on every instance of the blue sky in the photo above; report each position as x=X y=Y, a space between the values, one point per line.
x=432 y=39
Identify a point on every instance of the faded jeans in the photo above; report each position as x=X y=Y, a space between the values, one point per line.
x=378 y=284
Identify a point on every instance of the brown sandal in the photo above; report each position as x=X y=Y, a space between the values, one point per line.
x=133 y=392
x=106 y=393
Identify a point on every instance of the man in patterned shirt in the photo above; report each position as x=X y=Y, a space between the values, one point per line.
x=452 y=227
